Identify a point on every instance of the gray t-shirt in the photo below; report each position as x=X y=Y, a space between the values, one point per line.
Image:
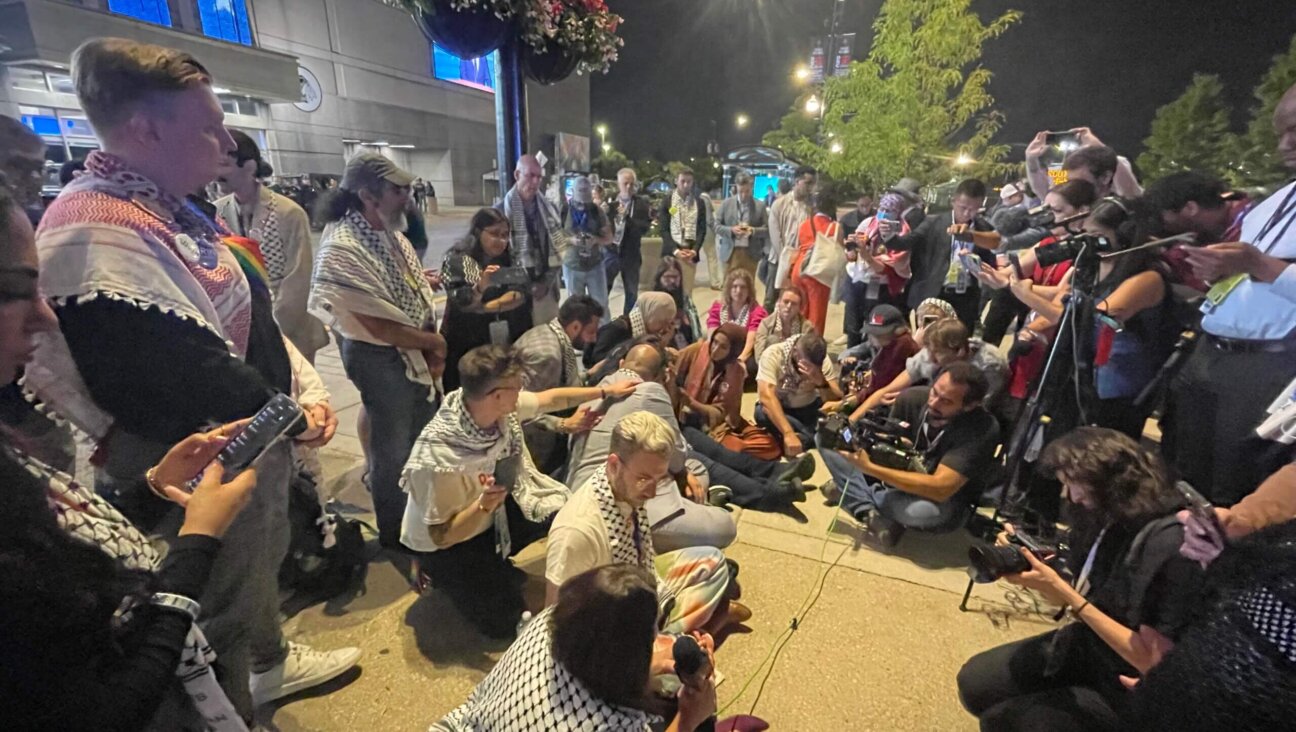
x=922 y=370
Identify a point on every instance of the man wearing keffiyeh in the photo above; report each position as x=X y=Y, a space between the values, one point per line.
x=684 y=221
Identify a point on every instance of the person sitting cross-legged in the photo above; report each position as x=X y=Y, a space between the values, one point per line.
x=794 y=380
x=606 y=522
x=475 y=498
x=955 y=438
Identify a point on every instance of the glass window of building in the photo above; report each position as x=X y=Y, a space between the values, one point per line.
x=61 y=83
x=149 y=11
x=226 y=20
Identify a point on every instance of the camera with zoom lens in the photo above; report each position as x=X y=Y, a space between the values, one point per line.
x=1071 y=247
x=989 y=562
x=882 y=439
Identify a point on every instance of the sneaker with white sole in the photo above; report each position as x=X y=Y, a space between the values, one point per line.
x=303 y=668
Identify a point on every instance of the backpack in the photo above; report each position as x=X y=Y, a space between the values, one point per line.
x=326 y=550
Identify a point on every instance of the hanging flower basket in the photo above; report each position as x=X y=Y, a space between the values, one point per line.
x=549 y=66
x=468 y=30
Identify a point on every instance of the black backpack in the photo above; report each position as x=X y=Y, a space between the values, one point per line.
x=311 y=572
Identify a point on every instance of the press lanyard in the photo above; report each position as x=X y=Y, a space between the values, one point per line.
x=1082 y=581
x=1284 y=214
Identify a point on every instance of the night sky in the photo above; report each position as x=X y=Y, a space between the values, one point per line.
x=1105 y=63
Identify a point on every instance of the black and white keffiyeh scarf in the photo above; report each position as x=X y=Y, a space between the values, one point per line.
x=570 y=367
x=85 y=515
x=684 y=217
x=530 y=691
x=630 y=540
x=453 y=443
x=265 y=230
x=790 y=379
x=740 y=319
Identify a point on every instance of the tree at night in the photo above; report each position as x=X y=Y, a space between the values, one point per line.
x=1190 y=133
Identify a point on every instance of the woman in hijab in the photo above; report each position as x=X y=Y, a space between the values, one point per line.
x=653 y=314
x=480 y=310
x=711 y=386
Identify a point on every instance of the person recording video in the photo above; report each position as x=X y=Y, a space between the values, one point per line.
x=954 y=438
x=1122 y=577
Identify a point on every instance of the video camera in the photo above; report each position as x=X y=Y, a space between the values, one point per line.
x=1043 y=217
x=989 y=562
x=883 y=439
x=1069 y=248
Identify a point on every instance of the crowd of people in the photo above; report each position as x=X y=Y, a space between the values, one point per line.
x=153 y=323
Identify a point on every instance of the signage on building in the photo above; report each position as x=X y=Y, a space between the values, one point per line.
x=312 y=96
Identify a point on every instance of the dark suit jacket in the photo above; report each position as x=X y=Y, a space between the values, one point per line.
x=930 y=259
x=669 y=245
x=636 y=225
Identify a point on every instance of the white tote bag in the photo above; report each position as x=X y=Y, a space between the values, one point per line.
x=828 y=258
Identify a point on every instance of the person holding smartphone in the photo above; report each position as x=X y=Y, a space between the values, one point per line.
x=876 y=275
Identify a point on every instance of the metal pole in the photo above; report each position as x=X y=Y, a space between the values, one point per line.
x=510 y=111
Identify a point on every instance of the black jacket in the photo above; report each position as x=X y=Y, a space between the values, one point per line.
x=930 y=260
x=636 y=225
x=669 y=245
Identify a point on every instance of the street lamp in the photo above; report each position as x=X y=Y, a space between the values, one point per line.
x=963 y=159
x=802 y=73
x=602 y=133
x=813 y=105
x=607 y=148
x=741 y=121
x=835 y=148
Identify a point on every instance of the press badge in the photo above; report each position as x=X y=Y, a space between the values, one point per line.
x=499 y=333
x=1220 y=291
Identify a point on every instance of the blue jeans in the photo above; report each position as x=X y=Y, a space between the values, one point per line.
x=802 y=420
x=906 y=509
x=751 y=479
x=593 y=282
x=398 y=410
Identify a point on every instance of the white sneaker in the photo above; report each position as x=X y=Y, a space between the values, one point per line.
x=303 y=668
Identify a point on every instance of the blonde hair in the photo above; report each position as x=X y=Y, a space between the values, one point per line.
x=642 y=432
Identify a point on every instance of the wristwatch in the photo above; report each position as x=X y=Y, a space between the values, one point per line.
x=176 y=603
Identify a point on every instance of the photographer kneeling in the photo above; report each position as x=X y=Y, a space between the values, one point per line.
x=954 y=438
x=1127 y=572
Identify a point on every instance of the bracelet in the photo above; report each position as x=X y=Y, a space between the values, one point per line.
x=1075 y=613
x=150 y=478
x=176 y=603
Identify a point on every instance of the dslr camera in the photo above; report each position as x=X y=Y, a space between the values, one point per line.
x=884 y=440
x=988 y=562
x=1070 y=248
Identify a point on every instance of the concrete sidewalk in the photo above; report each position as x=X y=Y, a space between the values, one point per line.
x=878 y=639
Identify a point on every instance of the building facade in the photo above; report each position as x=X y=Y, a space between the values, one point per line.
x=313 y=80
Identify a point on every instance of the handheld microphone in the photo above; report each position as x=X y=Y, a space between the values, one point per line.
x=689 y=656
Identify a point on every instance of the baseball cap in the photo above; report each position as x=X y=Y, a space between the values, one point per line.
x=1009 y=191
x=365 y=169
x=884 y=320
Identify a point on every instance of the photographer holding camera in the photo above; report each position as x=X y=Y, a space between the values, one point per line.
x=1123 y=571
x=953 y=439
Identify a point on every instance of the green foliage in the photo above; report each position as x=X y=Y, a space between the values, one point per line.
x=608 y=163
x=1190 y=133
x=918 y=101
x=1257 y=162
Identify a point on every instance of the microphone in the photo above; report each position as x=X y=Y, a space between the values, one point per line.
x=690 y=660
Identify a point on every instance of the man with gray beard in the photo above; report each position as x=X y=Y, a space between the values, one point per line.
x=370 y=286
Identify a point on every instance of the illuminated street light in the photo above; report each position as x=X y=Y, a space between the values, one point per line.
x=601 y=129
x=802 y=73
x=607 y=148
x=741 y=121
x=963 y=159
x=835 y=148
x=813 y=105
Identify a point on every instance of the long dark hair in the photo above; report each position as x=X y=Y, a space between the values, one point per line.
x=62 y=591
x=1131 y=230
x=603 y=628
x=667 y=264
x=470 y=244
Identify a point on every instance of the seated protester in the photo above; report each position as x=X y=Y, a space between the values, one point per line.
x=584 y=663
x=688 y=327
x=875 y=276
x=679 y=516
x=1234 y=662
x=878 y=360
x=1197 y=203
x=738 y=305
x=1126 y=577
x=549 y=356
x=606 y=522
x=478 y=311
x=795 y=378
x=653 y=314
x=956 y=438
x=785 y=321
x=947 y=342
x=464 y=525
x=711 y=389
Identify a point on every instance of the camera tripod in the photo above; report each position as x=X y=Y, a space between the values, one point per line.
x=1069 y=364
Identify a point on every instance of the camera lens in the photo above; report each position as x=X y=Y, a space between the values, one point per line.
x=987 y=563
